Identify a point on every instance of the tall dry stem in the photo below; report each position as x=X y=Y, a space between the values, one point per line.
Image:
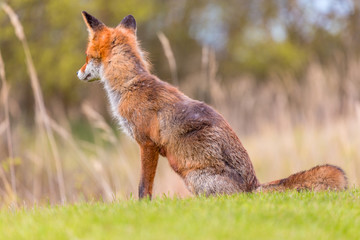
x=2 y=127
x=41 y=113
x=209 y=69
x=99 y=122
x=5 y=98
x=170 y=57
x=204 y=68
x=84 y=160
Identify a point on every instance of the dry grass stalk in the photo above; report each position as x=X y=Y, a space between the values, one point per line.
x=107 y=134
x=84 y=160
x=5 y=98
x=42 y=115
x=212 y=70
x=99 y=122
x=204 y=72
x=170 y=57
x=3 y=127
x=210 y=85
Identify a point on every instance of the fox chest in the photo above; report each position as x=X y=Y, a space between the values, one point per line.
x=125 y=125
x=114 y=98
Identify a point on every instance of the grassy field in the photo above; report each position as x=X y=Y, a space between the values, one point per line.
x=288 y=215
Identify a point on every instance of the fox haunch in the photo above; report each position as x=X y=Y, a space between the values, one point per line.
x=199 y=144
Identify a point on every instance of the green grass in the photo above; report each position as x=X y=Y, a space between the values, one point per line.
x=288 y=215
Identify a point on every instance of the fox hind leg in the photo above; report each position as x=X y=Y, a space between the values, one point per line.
x=208 y=182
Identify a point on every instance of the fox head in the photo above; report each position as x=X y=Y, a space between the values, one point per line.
x=108 y=45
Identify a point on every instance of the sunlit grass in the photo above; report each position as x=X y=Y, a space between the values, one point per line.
x=291 y=215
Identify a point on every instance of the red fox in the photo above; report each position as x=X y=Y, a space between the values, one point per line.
x=199 y=144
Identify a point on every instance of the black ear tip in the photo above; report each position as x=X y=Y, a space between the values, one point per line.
x=131 y=17
x=93 y=22
x=129 y=22
x=86 y=15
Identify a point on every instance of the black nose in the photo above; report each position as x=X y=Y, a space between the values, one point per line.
x=77 y=73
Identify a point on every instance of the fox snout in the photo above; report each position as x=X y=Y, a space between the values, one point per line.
x=82 y=75
x=89 y=72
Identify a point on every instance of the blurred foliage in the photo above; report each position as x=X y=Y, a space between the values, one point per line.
x=256 y=38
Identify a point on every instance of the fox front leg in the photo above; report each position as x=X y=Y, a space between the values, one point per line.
x=149 y=160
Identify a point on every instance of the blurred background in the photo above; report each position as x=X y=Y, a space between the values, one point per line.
x=284 y=73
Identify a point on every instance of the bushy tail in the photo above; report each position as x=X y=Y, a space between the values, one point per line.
x=319 y=178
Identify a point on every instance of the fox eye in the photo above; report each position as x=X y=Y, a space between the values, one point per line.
x=90 y=57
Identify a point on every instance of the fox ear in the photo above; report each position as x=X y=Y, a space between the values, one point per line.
x=92 y=23
x=128 y=22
